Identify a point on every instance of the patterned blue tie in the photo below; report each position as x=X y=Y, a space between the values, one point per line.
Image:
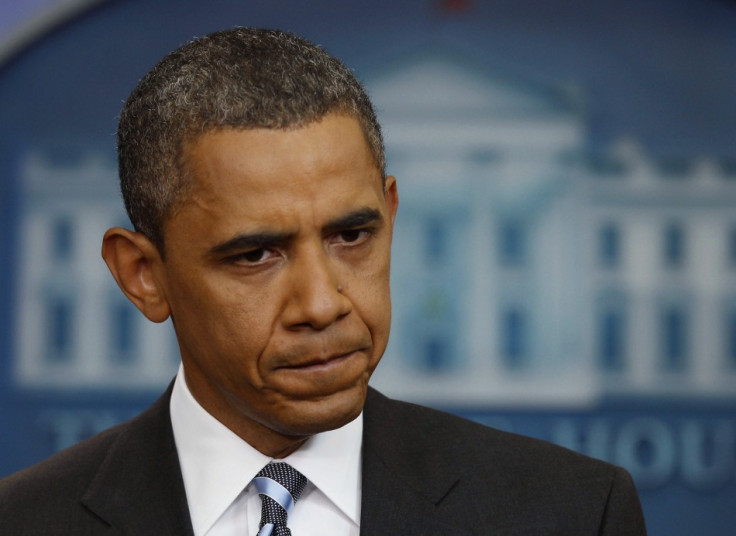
x=280 y=486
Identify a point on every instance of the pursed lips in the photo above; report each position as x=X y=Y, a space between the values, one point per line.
x=319 y=361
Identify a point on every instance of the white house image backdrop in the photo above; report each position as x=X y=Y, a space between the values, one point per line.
x=525 y=271
x=529 y=271
x=76 y=328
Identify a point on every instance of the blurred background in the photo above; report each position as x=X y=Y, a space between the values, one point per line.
x=565 y=252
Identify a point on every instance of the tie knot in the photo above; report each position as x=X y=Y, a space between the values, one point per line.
x=285 y=475
x=280 y=486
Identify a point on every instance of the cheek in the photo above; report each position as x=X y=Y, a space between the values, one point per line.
x=222 y=322
x=372 y=299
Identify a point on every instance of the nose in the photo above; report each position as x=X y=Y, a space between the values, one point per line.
x=315 y=297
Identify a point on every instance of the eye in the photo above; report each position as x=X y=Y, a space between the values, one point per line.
x=353 y=235
x=253 y=256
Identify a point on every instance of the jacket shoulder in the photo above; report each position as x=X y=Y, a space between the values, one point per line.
x=53 y=487
x=68 y=466
x=511 y=481
x=448 y=434
x=60 y=495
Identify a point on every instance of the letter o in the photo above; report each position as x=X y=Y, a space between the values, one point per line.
x=654 y=434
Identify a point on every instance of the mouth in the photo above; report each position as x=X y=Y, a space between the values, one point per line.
x=321 y=362
x=322 y=375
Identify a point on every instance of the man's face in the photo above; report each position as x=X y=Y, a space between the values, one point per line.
x=277 y=276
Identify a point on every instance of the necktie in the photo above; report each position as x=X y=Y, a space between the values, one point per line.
x=280 y=486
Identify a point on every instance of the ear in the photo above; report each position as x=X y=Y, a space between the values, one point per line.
x=391 y=194
x=136 y=265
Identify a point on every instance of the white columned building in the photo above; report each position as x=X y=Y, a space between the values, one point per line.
x=661 y=274
x=75 y=329
x=485 y=275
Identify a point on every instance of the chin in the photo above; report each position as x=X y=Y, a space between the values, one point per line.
x=309 y=417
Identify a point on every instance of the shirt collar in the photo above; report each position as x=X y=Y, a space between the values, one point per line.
x=331 y=461
x=217 y=465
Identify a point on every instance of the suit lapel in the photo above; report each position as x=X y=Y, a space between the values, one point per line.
x=403 y=486
x=138 y=488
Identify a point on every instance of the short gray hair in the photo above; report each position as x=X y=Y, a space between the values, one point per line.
x=240 y=78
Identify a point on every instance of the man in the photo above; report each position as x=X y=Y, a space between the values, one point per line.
x=252 y=169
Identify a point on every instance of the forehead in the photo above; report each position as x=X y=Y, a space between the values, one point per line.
x=336 y=140
x=258 y=175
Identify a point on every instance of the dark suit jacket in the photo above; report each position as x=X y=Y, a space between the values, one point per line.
x=424 y=473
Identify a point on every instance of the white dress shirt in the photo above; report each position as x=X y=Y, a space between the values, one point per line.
x=218 y=467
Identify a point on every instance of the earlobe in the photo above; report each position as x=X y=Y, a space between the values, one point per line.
x=135 y=263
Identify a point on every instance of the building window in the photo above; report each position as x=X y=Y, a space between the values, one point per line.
x=512 y=244
x=609 y=245
x=674 y=338
x=435 y=240
x=730 y=337
x=436 y=354
x=612 y=339
x=123 y=331
x=59 y=328
x=514 y=336
x=674 y=245
x=61 y=239
x=731 y=247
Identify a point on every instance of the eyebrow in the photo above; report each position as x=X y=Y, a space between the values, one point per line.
x=357 y=218
x=264 y=239
x=250 y=241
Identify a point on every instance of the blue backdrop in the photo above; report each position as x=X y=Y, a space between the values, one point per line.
x=565 y=258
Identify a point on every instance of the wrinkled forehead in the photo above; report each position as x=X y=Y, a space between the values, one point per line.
x=192 y=141
x=254 y=171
